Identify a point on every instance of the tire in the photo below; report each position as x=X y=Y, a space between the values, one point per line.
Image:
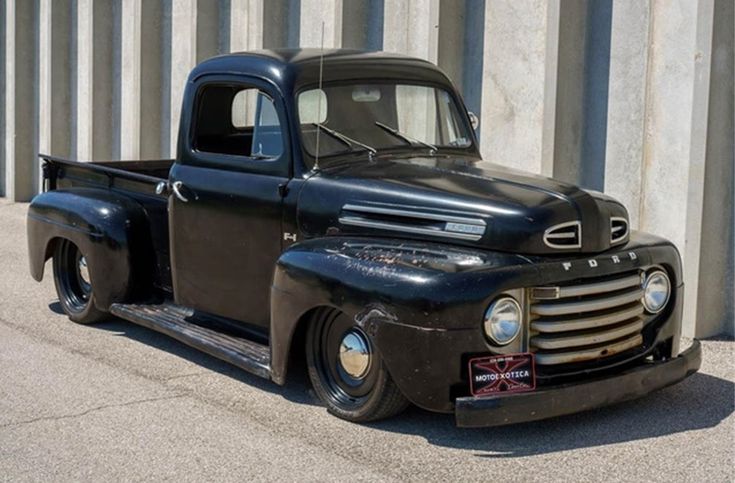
x=351 y=388
x=73 y=287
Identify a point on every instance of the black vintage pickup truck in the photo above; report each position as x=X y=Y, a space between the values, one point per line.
x=331 y=209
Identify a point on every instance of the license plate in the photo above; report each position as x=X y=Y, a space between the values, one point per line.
x=500 y=375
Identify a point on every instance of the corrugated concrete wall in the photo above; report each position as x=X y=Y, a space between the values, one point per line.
x=630 y=97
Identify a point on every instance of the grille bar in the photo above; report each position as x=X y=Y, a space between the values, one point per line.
x=587 y=305
x=592 y=288
x=587 y=322
x=556 y=342
x=582 y=355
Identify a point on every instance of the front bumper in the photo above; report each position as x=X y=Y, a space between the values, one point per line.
x=573 y=398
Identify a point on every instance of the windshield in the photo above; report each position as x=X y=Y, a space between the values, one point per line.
x=372 y=117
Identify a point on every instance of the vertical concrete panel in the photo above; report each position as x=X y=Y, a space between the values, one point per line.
x=582 y=92
x=676 y=126
x=461 y=33
x=20 y=109
x=114 y=63
x=450 y=46
x=166 y=51
x=596 y=87
x=151 y=80
x=411 y=27
x=362 y=24
x=246 y=25
x=716 y=293
x=105 y=85
x=183 y=58
x=314 y=14
x=569 y=111
x=43 y=115
x=3 y=98
x=130 y=78
x=519 y=84
x=281 y=23
x=208 y=30
x=626 y=110
x=84 y=78
x=473 y=41
x=61 y=74
x=54 y=78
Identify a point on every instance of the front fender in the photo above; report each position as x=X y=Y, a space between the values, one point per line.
x=106 y=226
x=423 y=285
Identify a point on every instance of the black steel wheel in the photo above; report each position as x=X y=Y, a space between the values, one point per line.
x=73 y=284
x=347 y=373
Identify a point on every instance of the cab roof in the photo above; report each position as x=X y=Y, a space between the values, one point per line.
x=295 y=68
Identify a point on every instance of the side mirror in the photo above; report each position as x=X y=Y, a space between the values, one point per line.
x=474 y=120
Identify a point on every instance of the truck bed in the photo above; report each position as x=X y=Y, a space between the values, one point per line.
x=60 y=172
x=135 y=179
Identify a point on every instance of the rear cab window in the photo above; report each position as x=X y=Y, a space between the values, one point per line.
x=238 y=121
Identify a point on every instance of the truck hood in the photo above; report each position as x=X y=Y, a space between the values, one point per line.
x=460 y=201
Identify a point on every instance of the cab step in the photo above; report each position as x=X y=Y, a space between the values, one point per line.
x=185 y=325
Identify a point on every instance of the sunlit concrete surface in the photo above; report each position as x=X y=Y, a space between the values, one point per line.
x=115 y=401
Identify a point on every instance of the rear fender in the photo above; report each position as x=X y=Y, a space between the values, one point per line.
x=111 y=230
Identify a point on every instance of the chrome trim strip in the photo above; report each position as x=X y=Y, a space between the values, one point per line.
x=354 y=221
x=587 y=305
x=584 y=323
x=589 y=289
x=457 y=227
x=588 y=354
x=413 y=214
x=556 y=342
x=549 y=235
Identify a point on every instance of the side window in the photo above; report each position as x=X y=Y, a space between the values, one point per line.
x=237 y=121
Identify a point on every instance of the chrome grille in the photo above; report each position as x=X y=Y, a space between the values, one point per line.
x=618 y=229
x=564 y=235
x=577 y=323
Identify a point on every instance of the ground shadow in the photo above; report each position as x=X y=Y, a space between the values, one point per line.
x=701 y=401
x=297 y=390
x=55 y=307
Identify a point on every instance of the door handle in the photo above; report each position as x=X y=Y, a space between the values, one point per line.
x=176 y=187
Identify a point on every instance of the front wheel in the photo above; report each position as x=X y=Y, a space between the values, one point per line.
x=347 y=373
x=73 y=284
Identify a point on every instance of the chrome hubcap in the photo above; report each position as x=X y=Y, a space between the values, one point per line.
x=84 y=271
x=354 y=354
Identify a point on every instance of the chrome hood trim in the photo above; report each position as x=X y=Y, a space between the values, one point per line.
x=410 y=219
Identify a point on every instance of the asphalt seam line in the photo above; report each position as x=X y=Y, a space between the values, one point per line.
x=91 y=410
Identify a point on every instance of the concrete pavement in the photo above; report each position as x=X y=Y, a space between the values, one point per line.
x=115 y=401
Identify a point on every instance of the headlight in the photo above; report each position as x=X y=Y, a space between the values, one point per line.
x=503 y=320
x=656 y=291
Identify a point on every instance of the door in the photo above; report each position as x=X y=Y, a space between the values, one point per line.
x=225 y=206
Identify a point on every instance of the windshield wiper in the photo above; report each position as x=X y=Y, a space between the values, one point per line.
x=405 y=137
x=347 y=141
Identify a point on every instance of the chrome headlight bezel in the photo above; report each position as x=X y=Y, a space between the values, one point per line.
x=655 y=276
x=493 y=320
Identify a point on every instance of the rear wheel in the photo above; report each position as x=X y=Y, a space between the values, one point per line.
x=347 y=373
x=73 y=284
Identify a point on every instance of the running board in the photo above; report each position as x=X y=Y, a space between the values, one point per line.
x=179 y=322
